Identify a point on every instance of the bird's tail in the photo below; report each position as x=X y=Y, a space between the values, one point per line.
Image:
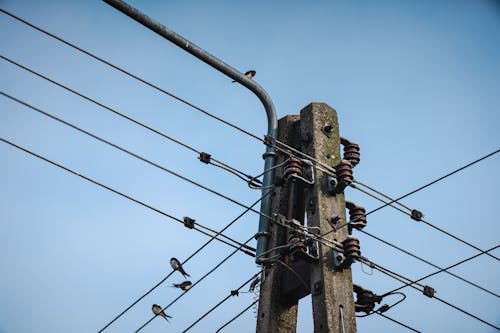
x=233 y=81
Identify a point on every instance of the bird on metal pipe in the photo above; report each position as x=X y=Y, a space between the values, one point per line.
x=176 y=266
x=249 y=74
x=184 y=286
x=159 y=312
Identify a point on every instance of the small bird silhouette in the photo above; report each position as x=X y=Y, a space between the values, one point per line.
x=176 y=266
x=159 y=312
x=186 y=285
x=249 y=74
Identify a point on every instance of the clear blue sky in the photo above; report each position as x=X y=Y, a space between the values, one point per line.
x=415 y=83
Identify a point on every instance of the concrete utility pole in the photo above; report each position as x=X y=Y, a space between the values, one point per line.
x=332 y=298
x=316 y=133
x=276 y=314
x=296 y=269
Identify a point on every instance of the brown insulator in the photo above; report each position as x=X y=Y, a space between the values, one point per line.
x=344 y=172
x=351 y=153
x=352 y=250
x=357 y=217
x=293 y=167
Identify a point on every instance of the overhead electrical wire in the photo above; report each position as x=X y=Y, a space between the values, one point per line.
x=151 y=85
x=422 y=187
x=234 y=292
x=276 y=144
x=449 y=267
x=237 y=316
x=271 y=219
x=420 y=219
x=194 y=285
x=176 y=174
x=434 y=181
x=185 y=261
x=441 y=178
x=237 y=246
x=428 y=263
x=213 y=160
x=398 y=322
x=234 y=126
x=389 y=203
x=379 y=199
x=356 y=181
x=411 y=283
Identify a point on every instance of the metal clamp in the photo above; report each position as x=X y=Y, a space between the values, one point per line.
x=189 y=222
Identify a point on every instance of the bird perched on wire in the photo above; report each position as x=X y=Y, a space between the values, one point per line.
x=184 y=286
x=176 y=266
x=159 y=312
x=249 y=74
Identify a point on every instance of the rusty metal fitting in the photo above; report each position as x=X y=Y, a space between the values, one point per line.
x=351 y=153
x=365 y=299
x=357 y=216
x=293 y=167
x=429 y=291
x=417 y=215
x=189 y=222
x=352 y=250
x=344 y=172
x=205 y=157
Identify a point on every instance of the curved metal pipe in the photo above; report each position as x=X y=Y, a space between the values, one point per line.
x=272 y=121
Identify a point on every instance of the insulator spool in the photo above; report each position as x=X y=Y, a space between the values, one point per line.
x=344 y=172
x=351 y=153
x=357 y=217
x=352 y=250
x=293 y=167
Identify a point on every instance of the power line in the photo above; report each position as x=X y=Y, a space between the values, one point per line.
x=185 y=261
x=424 y=221
x=428 y=262
x=411 y=283
x=437 y=180
x=178 y=175
x=398 y=322
x=457 y=238
x=356 y=181
x=449 y=267
x=271 y=219
x=237 y=316
x=354 y=186
x=420 y=188
x=218 y=163
x=194 y=285
x=231 y=294
x=419 y=219
x=276 y=144
x=129 y=197
x=151 y=85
